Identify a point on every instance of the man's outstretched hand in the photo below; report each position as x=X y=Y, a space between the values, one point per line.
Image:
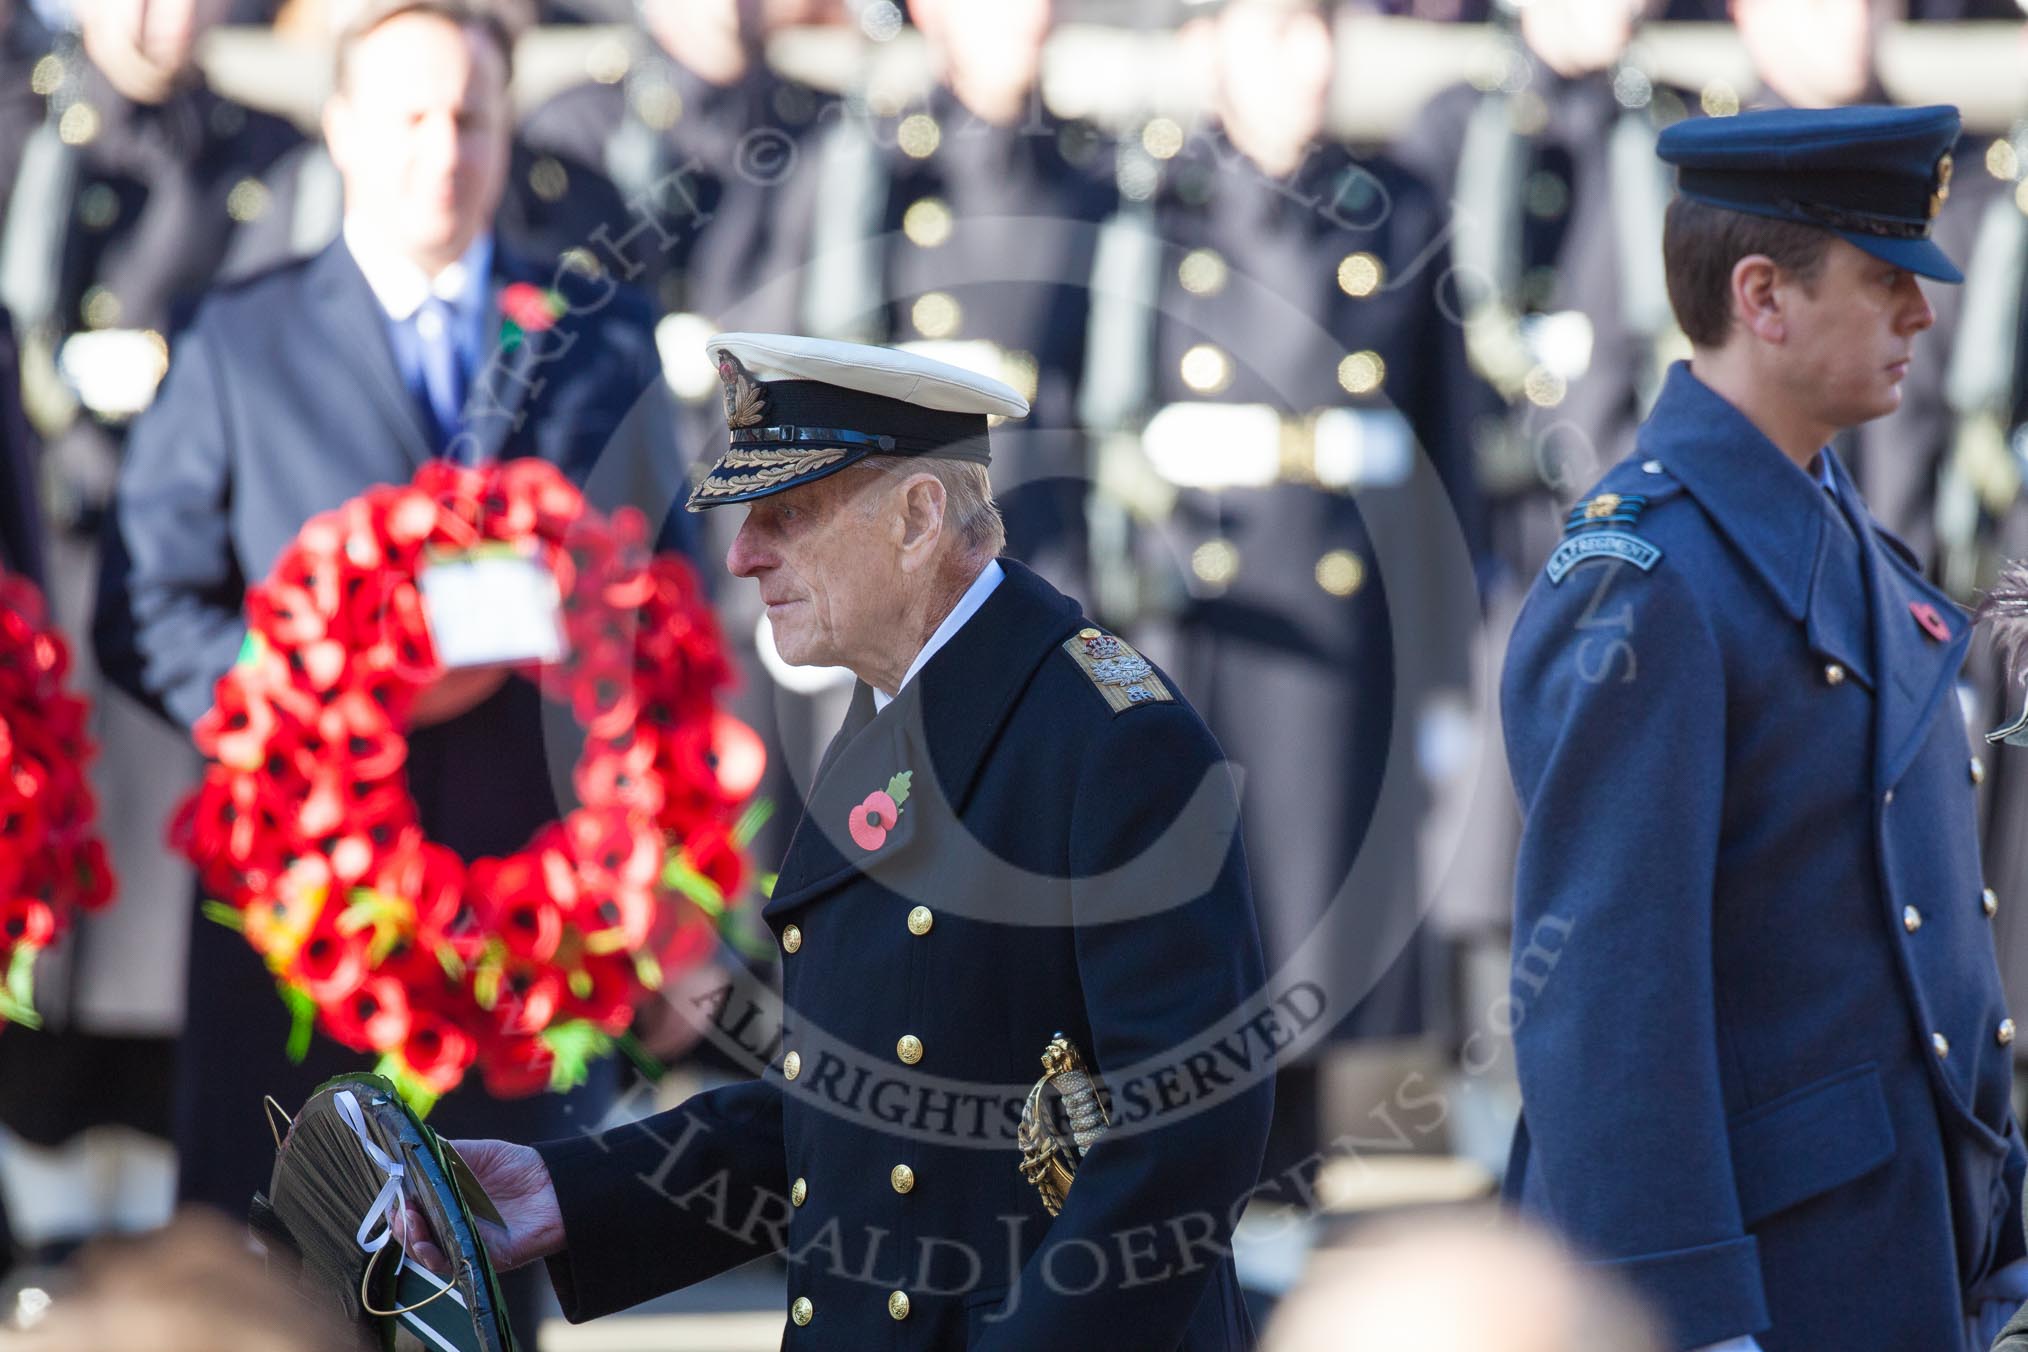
x=517 y=1181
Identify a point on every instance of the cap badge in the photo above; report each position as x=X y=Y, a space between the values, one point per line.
x=746 y=402
x=1943 y=186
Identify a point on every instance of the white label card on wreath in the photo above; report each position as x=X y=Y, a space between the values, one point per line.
x=491 y=605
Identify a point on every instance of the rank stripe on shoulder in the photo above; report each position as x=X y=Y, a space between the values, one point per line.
x=1122 y=675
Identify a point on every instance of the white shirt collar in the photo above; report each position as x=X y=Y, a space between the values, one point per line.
x=401 y=286
x=967 y=606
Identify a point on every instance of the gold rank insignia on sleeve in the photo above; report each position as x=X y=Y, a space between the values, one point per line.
x=1122 y=675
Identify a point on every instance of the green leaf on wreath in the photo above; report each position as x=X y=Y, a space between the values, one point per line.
x=897 y=788
x=486 y=985
x=750 y=822
x=574 y=1046
x=252 y=649
x=231 y=917
x=412 y=1090
x=679 y=876
x=644 y=1061
x=17 y=1001
x=448 y=959
x=581 y=984
x=766 y=883
x=647 y=971
x=302 y=1020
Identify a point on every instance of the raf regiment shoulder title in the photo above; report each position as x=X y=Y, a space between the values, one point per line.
x=1122 y=675
x=1601 y=528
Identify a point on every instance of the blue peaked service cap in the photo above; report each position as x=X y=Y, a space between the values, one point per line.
x=1873 y=175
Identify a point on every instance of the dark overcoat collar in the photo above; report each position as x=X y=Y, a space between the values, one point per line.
x=940 y=729
x=1788 y=531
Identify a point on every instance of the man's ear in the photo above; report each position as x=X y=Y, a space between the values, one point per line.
x=921 y=521
x=1757 y=300
x=336 y=123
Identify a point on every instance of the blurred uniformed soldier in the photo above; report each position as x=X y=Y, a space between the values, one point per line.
x=1555 y=200
x=1766 y=1058
x=963 y=227
x=1302 y=470
x=131 y=186
x=691 y=120
x=1020 y=852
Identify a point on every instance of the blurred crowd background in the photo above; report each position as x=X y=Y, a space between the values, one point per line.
x=1326 y=314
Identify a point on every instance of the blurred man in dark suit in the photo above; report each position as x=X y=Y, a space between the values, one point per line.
x=301 y=387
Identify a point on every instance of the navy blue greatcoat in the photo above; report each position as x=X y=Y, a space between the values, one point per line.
x=282 y=401
x=1057 y=867
x=1762 y=1043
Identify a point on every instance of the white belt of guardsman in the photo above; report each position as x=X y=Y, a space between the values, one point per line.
x=1212 y=446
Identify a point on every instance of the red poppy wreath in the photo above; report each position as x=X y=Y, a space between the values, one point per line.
x=526 y=966
x=52 y=862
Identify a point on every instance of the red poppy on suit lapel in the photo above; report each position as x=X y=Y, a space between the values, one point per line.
x=526 y=308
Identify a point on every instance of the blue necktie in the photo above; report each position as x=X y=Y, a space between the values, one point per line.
x=442 y=370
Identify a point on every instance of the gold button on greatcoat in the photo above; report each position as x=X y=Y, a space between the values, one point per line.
x=802 y=1310
x=1978 y=771
x=1989 y=901
x=1834 y=674
x=792 y=1066
x=909 y=1049
x=920 y=920
x=1911 y=919
x=897 y=1305
x=1941 y=1043
x=902 y=1177
x=792 y=939
x=2004 y=1034
x=798 y=1191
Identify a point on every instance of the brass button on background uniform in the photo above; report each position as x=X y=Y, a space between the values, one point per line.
x=1834 y=674
x=798 y=1190
x=920 y=920
x=2004 y=1034
x=792 y=939
x=897 y=1305
x=802 y=1310
x=1978 y=771
x=902 y=1177
x=1911 y=919
x=909 y=1049
x=1941 y=1043
x=792 y=1066
x=1989 y=901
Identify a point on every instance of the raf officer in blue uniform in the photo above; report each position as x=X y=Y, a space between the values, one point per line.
x=1019 y=832
x=1763 y=1050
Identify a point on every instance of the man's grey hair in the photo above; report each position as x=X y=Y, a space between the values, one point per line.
x=969 y=509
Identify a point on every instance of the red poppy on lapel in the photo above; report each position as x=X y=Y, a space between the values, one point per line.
x=879 y=812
